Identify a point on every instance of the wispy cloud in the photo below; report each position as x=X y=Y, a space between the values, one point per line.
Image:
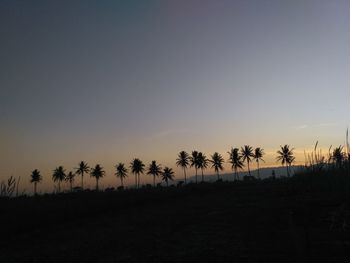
x=301 y=127
x=305 y=126
x=329 y=124
x=167 y=133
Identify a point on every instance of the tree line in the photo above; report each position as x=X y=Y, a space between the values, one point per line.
x=237 y=158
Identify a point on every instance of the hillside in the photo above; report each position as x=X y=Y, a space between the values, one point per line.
x=265 y=172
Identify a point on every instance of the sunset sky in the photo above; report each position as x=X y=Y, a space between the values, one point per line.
x=107 y=81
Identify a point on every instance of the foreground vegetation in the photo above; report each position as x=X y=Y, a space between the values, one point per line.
x=272 y=220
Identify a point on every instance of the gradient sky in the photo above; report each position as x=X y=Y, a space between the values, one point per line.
x=106 y=81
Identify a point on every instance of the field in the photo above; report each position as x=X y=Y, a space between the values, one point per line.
x=262 y=221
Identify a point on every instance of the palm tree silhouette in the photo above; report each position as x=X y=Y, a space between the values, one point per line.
x=194 y=162
x=137 y=168
x=217 y=161
x=167 y=175
x=58 y=176
x=83 y=168
x=338 y=156
x=247 y=154
x=258 y=154
x=202 y=163
x=98 y=173
x=285 y=156
x=235 y=160
x=121 y=172
x=70 y=178
x=155 y=170
x=183 y=160
x=35 y=178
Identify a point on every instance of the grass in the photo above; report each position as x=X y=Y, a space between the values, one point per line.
x=273 y=220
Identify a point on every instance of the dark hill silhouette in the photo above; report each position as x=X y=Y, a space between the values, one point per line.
x=264 y=173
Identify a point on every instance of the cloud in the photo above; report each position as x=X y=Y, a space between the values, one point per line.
x=167 y=133
x=326 y=124
x=305 y=126
x=301 y=127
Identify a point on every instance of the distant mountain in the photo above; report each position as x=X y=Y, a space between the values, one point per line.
x=264 y=173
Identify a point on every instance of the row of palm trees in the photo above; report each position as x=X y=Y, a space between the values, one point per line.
x=198 y=160
x=137 y=168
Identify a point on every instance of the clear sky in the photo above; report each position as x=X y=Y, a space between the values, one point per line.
x=106 y=81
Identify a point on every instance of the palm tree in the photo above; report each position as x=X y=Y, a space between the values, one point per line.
x=258 y=154
x=98 y=173
x=183 y=160
x=202 y=163
x=70 y=178
x=235 y=160
x=83 y=168
x=338 y=156
x=121 y=172
x=247 y=154
x=285 y=156
x=58 y=176
x=35 y=178
x=194 y=162
x=155 y=170
x=167 y=175
x=137 y=168
x=217 y=161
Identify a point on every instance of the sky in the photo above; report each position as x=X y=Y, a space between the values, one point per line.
x=108 y=81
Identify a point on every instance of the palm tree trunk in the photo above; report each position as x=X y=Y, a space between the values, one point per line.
x=34 y=188
x=121 y=181
x=185 y=174
x=258 y=169
x=59 y=186
x=290 y=168
x=96 y=184
x=202 y=176
x=167 y=184
x=138 y=180
x=71 y=186
x=287 y=170
x=154 y=181
x=196 y=176
x=248 y=168
x=82 y=180
x=135 y=180
x=217 y=173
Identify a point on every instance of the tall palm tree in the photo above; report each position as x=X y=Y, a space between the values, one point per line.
x=183 y=160
x=235 y=160
x=82 y=169
x=247 y=155
x=167 y=175
x=70 y=178
x=194 y=162
x=155 y=170
x=202 y=163
x=258 y=154
x=137 y=168
x=121 y=172
x=98 y=173
x=59 y=174
x=285 y=156
x=217 y=161
x=338 y=156
x=35 y=178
